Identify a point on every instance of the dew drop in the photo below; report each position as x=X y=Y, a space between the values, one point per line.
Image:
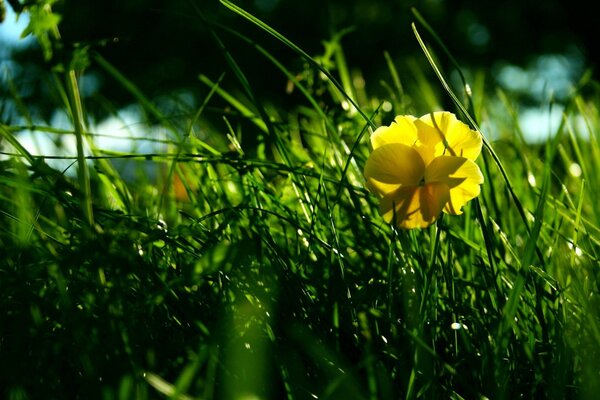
x=575 y=170
x=531 y=179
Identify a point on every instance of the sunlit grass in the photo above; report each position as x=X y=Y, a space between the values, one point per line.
x=254 y=263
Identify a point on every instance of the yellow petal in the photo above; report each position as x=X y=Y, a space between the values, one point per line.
x=391 y=166
x=402 y=130
x=464 y=141
x=443 y=167
x=460 y=195
x=428 y=132
x=431 y=139
x=434 y=196
x=399 y=203
x=448 y=135
x=427 y=153
x=461 y=175
x=415 y=206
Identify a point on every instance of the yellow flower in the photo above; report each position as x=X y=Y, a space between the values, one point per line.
x=420 y=167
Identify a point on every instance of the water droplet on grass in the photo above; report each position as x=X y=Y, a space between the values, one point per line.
x=575 y=170
x=531 y=179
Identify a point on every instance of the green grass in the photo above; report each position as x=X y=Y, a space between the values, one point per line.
x=256 y=265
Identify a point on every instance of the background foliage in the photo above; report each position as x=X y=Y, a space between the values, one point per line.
x=172 y=41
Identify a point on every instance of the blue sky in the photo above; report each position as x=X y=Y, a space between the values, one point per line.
x=11 y=28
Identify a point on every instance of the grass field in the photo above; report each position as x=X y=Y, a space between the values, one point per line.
x=253 y=262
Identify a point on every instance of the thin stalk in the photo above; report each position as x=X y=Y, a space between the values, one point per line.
x=78 y=125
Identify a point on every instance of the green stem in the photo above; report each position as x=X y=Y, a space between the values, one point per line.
x=82 y=171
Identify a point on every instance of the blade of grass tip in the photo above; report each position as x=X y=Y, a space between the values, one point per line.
x=76 y=111
x=581 y=160
x=475 y=126
x=394 y=74
x=351 y=155
x=577 y=222
x=453 y=60
x=299 y=183
x=342 y=65
x=269 y=127
x=135 y=91
x=199 y=112
x=289 y=75
x=239 y=74
x=115 y=190
x=508 y=106
x=445 y=84
x=235 y=103
x=331 y=130
x=181 y=143
x=12 y=140
x=241 y=77
x=594 y=147
x=243 y=13
x=398 y=94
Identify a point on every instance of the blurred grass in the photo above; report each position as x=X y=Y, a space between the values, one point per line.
x=255 y=265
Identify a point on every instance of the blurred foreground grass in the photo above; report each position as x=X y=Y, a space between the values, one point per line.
x=255 y=264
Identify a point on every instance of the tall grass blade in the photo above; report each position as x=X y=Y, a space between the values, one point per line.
x=238 y=10
x=76 y=111
x=465 y=112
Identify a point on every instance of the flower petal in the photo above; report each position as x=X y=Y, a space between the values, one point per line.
x=427 y=153
x=415 y=206
x=443 y=167
x=431 y=139
x=460 y=195
x=464 y=141
x=431 y=134
x=434 y=196
x=391 y=166
x=401 y=130
x=400 y=203
x=461 y=175
x=449 y=135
